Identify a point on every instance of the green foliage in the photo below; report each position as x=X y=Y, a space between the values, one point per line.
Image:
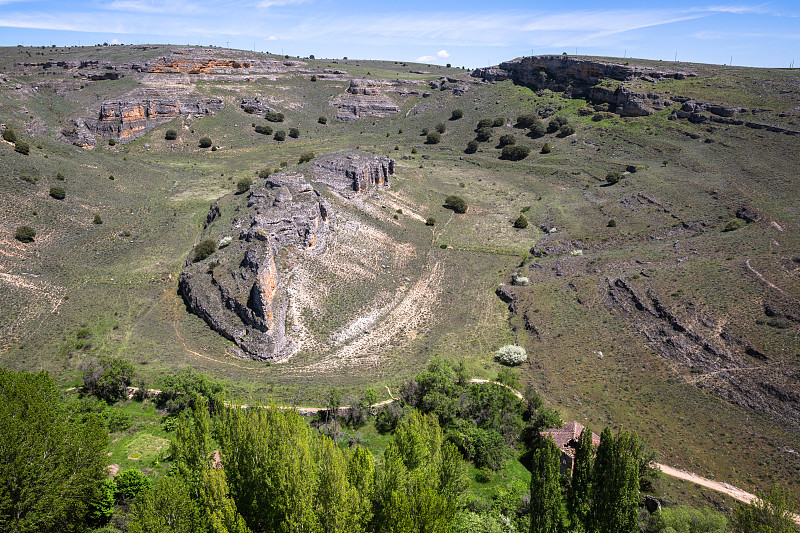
x=433 y=137
x=613 y=178
x=204 y=249
x=515 y=152
x=108 y=379
x=546 y=148
x=280 y=135
x=58 y=193
x=273 y=116
x=684 y=519
x=25 y=234
x=205 y=142
x=546 y=507
x=527 y=120
x=440 y=127
x=322 y=120
x=499 y=122
x=264 y=129
x=511 y=354
x=521 y=222
x=579 y=493
x=101 y=507
x=472 y=147
x=484 y=123
x=430 y=221
x=117 y=420
x=243 y=185
x=9 y=135
x=264 y=173
x=130 y=484
x=566 y=130
x=249 y=109
x=457 y=114
x=112 y=142
x=414 y=150
x=483 y=135
x=183 y=390
x=507 y=140
x=615 y=483
x=611 y=223
x=22 y=148
x=734 y=224
x=167 y=508
x=305 y=157
x=60 y=176
x=97 y=219
x=170 y=135
x=53 y=460
x=556 y=123
x=294 y=133
x=456 y=203
x=769 y=513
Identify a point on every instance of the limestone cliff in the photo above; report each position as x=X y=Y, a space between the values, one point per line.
x=366 y=98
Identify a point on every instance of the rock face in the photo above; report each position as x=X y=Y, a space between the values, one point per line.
x=240 y=290
x=365 y=98
x=582 y=78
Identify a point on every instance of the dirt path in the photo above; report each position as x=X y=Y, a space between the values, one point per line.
x=769 y=283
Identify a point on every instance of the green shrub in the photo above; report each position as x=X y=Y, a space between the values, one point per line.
x=472 y=147
x=109 y=378
x=264 y=173
x=204 y=249
x=97 y=219
x=273 y=116
x=611 y=223
x=499 y=122
x=249 y=109
x=555 y=123
x=264 y=130
x=117 y=420
x=280 y=135
x=25 y=234
x=538 y=129
x=521 y=222
x=243 y=185
x=305 y=157
x=430 y=221
x=456 y=203
x=613 y=177
x=734 y=224
x=440 y=127
x=457 y=114
x=484 y=135
x=131 y=483
x=9 y=135
x=58 y=193
x=424 y=132
x=294 y=133
x=205 y=142
x=111 y=177
x=507 y=140
x=213 y=148
x=112 y=142
x=313 y=77
x=60 y=176
x=512 y=355
x=515 y=152
x=546 y=148
x=414 y=150
x=484 y=123
x=433 y=137
x=170 y=135
x=22 y=148
x=526 y=120
x=566 y=130
x=322 y=120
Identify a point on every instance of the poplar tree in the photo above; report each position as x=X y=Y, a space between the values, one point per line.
x=578 y=496
x=547 y=505
x=615 y=484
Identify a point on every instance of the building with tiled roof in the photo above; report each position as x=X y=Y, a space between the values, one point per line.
x=566 y=438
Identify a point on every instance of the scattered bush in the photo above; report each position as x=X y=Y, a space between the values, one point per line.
x=112 y=142
x=60 y=176
x=526 y=120
x=546 y=148
x=456 y=203
x=111 y=177
x=264 y=173
x=205 y=142
x=58 y=193
x=264 y=130
x=507 y=140
x=273 y=116
x=433 y=137
x=499 y=122
x=313 y=77
x=613 y=177
x=424 y=132
x=472 y=147
x=734 y=224
x=555 y=123
x=322 y=120
x=22 y=148
x=280 y=135
x=213 y=148
x=484 y=135
x=512 y=355
x=97 y=219
x=430 y=221
x=9 y=135
x=566 y=130
x=611 y=223
x=440 y=127
x=305 y=157
x=457 y=114
x=249 y=109
x=25 y=234
x=414 y=150
x=521 y=222
x=243 y=185
x=131 y=483
x=515 y=152
x=204 y=249
x=294 y=133
x=484 y=123
x=538 y=129
x=108 y=379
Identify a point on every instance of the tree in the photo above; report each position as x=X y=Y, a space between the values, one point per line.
x=555 y=123
x=566 y=130
x=273 y=116
x=613 y=177
x=294 y=133
x=456 y=203
x=484 y=123
x=440 y=127
x=205 y=142
x=25 y=234
x=22 y=147
x=184 y=389
x=204 y=249
x=578 y=495
x=615 y=483
x=507 y=140
x=483 y=135
x=97 y=219
x=305 y=157
x=217 y=509
x=168 y=508
x=9 y=135
x=322 y=120
x=521 y=222
x=313 y=76
x=526 y=120
x=546 y=507
x=511 y=354
x=280 y=135
x=243 y=185
x=430 y=221
x=433 y=137
x=472 y=147
x=499 y=122
x=537 y=129
x=53 y=459
x=515 y=152
x=546 y=148
x=109 y=379
x=170 y=135
x=457 y=114
x=130 y=484
x=264 y=129
x=768 y=513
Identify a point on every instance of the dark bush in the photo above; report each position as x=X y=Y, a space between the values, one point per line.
x=112 y=142
x=273 y=116
x=294 y=133
x=213 y=148
x=566 y=130
x=9 y=135
x=249 y=109
x=171 y=135
x=515 y=152
x=205 y=142
x=499 y=122
x=58 y=193
x=734 y=224
x=204 y=249
x=22 y=148
x=613 y=177
x=430 y=221
x=433 y=137
x=243 y=185
x=424 y=132
x=546 y=148
x=97 y=219
x=108 y=379
x=521 y=222
x=507 y=140
x=484 y=123
x=60 y=176
x=264 y=130
x=456 y=203
x=313 y=77
x=538 y=129
x=322 y=120
x=280 y=135
x=526 y=120
x=25 y=234
x=555 y=123
x=472 y=147
x=484 y=135
x=457 y=114
x=612 y=223
x=305 y=157
x=264 y=173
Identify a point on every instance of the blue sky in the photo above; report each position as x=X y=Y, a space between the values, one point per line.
x=465 y=33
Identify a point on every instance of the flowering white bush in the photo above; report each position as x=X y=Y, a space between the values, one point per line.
x=512 y=355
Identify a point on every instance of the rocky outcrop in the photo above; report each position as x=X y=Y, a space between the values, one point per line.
x=581 y=78
x=240 y=290
x=366 y=98
x=256 y=105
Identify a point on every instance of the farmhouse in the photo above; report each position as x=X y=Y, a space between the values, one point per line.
x=566 y=439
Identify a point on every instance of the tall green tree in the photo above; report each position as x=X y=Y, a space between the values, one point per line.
x=217 y=508
x=337 y=501
x=578 y=495
x=53 y=463
x=615 y=484
x=167 y=508
x=768 y=513
x=547 y=503
x=191 y=448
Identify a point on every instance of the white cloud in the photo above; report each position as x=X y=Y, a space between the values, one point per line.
x=443 y=54
x=279 y=3
x=272 y=38
x=116 y=41
x=425 y=59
